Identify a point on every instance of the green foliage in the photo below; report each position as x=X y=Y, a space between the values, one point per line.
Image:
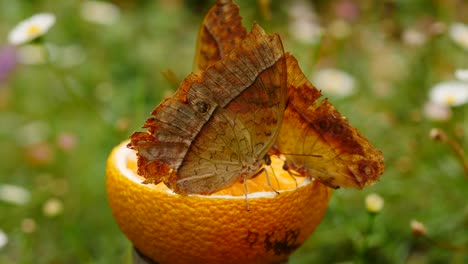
x=102 y=99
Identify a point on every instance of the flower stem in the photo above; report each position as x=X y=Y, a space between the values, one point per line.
x=446 y=245
x=364 y=248
x=440 y=135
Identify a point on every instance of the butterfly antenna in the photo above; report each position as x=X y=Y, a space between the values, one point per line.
x=303 y=155
x=267 y=159
x=246 y=190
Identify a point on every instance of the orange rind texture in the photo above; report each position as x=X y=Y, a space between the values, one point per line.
x=173 y=228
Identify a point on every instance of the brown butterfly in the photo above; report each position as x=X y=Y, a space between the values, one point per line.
x=218 y=127
x=315 y=138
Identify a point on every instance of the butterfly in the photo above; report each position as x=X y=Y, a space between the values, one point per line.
x=316 y=140
x=246 y=100
x=220 y=124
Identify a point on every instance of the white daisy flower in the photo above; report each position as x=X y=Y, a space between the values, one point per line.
x=459 y=34
x=98 y=12
x=374 y=203
x=14 y=194
x=31 y=28
x=334 y=82
x=3 y=239
x=462 y=74
x=450 y=93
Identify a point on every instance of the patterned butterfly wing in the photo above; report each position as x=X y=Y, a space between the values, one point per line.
x=318 y=141
x=219 y=126
x=220 y=31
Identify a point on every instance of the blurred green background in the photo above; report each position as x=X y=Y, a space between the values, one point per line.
x=61 y=112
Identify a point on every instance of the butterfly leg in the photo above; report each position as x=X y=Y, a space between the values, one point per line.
x=269 y=181
x=286 y=168
x=267 y=159
x=263 y=170
x=274 y=175
x=246 y=190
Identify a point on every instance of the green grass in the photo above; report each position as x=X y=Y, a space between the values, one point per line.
x=120 y=82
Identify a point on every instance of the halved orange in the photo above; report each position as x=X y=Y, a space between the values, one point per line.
x=218 y=228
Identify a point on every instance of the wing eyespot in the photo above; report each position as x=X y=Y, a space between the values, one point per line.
x=367 y=168
x=201 y=107
x=323 y=124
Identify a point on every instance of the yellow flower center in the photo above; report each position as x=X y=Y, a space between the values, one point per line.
x=33 y=30
x=450 y=99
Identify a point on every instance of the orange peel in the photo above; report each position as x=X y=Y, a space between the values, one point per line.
x=217 y=228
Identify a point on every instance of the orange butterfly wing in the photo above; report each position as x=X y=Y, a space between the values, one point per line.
x=318 y=141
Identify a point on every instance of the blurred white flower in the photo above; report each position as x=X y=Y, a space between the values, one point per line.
x=98 y=12
x=31 y=28
x=418 y=228
x=459 y=34
x=413 y=37
x=303 y=24
x=52 y=207
x=32 y=133
x=301 y=9
x=437 y=112
x=32 y=54
x=450 y=93
x=437 y=134
x=374 y=203
x=334 y=82
x=305 y=31
x=14 y=194
x=462 y=74
x=3 y=239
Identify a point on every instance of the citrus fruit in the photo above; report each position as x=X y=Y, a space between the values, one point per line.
x=218 y=228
